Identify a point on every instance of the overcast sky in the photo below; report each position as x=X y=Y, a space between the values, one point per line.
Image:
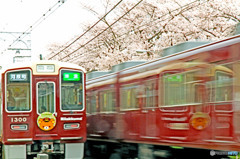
x=59 y=27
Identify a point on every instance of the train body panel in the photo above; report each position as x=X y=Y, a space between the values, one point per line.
x=189 y=99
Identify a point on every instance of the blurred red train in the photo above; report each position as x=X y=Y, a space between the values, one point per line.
x=43 y=111
x=180 y=103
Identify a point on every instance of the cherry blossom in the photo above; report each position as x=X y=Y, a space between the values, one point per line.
x=151 y=26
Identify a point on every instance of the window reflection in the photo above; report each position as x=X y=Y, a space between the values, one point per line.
x=71 y=90
x=18 y=94
x=46 y=94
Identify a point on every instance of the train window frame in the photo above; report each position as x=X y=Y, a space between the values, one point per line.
x=113 y=104
x=93 y=96
x=164 y=77
x=54 y=90
x=189 y=101
x=88 y=103
x=30 y=91
x=135 y=85
x=154 y=92
x=60 y=89
x=215 y=87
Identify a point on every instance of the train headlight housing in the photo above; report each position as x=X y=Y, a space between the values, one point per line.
x=45 y=68
x=68 y=126
x=19 y=127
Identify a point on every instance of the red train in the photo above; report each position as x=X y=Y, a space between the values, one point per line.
x=184 y=102
x=43 y=111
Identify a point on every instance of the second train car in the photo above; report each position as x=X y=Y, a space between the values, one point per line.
x=170 y=107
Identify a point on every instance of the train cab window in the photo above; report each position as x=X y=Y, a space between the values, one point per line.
x=107 y=101
x=46 y=97
x=18 y=91
x=71 y=90
x=128 y=97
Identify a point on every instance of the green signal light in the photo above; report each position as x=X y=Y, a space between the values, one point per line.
x=176 y=147
x=71 y=76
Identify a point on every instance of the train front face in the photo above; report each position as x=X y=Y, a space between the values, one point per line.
x=43 y=111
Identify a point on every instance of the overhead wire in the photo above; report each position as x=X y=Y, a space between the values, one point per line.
x=86 y=30
x=102 y=31
x=49 y=12
x=184 y=6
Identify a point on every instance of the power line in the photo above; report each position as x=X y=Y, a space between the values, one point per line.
x=39 y=21
x=103 y=30
x=184 y=7
x=86 y=30
x=162 y=16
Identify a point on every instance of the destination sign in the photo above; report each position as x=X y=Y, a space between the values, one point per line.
x=71 y=76
x=18 y=77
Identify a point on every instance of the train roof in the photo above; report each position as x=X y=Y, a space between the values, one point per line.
x=184 y=54
x=34 y=63
x=154 y=64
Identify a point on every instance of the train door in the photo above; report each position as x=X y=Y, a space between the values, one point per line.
x=130 y=110
x=236 y=98
x=174 y=108
x=107 y=112
x=222 y=104
x=46 y=100
x=93 y=116
x=150 y=113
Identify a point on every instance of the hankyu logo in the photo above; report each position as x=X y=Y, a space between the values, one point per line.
x=70 y=118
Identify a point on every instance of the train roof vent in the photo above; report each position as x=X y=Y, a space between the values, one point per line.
x=124 y=65
x=181 y=47
x=95 y=74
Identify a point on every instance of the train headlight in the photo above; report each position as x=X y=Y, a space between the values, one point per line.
x=68 y=126
x=19 y=127
x=45 y=68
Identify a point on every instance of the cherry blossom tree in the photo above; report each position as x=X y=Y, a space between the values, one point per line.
x=150 y=26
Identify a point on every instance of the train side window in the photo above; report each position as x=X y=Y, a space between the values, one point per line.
x=107 y=98
x=181 y=88
x=174 y=89
x=223 y=86
x=128 y=97
x=149 y=94
x=94 y=102
x=18 y=91
x=88 y=103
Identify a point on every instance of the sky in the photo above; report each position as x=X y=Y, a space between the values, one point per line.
x=59 y=27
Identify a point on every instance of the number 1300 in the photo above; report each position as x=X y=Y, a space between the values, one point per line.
x=18 y=119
